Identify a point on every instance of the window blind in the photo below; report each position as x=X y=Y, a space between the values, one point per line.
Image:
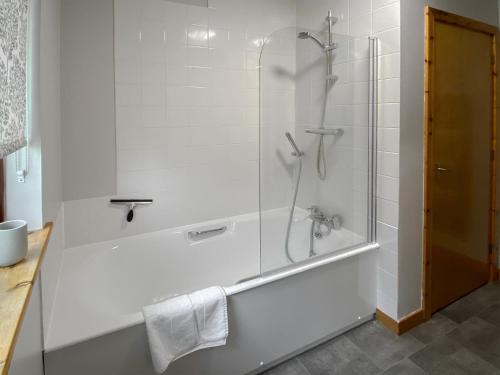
x=13 y=52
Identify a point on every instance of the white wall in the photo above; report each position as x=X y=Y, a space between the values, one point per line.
x=50 y=120
x=187 y=102
x=50 y=107
x=187 y=113
x=89 y=156
x=411 y=164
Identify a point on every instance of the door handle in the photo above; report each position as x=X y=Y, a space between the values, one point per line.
x=441 y=169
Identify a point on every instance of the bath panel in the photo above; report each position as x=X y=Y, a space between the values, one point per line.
x=267 y=324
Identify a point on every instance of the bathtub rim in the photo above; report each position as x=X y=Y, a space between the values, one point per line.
x=299 y=267
x=137 y=318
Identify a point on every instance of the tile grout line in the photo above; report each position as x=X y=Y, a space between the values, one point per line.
x=302 y=365
x=372 y=360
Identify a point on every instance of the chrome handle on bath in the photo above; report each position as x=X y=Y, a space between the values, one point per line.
x=202 y=234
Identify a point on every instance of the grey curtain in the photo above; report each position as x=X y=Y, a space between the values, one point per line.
x=13 y=51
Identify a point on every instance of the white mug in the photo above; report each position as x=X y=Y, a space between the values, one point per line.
x=13 y=242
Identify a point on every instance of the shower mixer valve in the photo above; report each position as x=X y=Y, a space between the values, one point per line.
x=322 y=225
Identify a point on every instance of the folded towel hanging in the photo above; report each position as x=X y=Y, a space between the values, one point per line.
x=184 y=324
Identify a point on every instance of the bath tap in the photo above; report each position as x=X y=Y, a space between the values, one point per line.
x=321 y=226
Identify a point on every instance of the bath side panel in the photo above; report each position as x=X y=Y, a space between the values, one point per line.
x=267 y=324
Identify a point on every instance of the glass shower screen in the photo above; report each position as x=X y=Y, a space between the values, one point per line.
x=317 y=146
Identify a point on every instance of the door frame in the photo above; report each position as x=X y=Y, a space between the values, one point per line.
x=432 y=16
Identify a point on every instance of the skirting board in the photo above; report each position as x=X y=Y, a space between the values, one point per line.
x=404 y=325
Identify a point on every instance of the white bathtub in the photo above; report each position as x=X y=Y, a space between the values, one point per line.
x=97 y=326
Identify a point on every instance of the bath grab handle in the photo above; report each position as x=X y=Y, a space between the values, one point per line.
x=203 y=234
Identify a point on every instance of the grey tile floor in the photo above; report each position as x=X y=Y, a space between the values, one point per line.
x=463 y=338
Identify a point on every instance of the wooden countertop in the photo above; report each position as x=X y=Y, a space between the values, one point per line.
x=16 y=283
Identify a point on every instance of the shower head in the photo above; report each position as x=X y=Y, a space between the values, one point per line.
x=296 y=149
x=309 y=35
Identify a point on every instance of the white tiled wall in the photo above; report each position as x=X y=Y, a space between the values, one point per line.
x=360 y=19
x=277 y=116
x=386 y=27
x=187 y=100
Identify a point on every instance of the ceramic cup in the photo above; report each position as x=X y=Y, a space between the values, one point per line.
x=13 y=242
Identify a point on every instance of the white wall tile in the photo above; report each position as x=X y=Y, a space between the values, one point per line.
x=388 y=188
x=389 y=41
x=388 y=140
x=359 y=7
x=389 y=115
x=376 y=4
x=388 y=212
x=389 y=90
x=388 y=283
x=387 y=304
x=361 y=25
x=389 y=66
x=386 y=18
x=387 y=237
x=388 y=261
x=388 y=164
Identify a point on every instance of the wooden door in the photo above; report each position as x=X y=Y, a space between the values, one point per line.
x=460 y=93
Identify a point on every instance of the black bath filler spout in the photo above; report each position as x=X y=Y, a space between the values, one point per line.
x=131 y=204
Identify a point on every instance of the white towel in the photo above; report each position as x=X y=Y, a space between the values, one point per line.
x=184 y=324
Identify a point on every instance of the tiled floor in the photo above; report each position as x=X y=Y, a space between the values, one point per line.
x=464 y=338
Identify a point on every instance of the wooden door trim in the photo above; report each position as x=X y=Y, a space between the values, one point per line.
x=431 y=17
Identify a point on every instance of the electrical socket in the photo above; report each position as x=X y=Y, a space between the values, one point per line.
x=21 y=176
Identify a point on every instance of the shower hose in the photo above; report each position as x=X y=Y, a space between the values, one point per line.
x=290 y=218
x=321 y=159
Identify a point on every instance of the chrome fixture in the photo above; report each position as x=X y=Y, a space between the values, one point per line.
x=320 y=156
x=296 y=149
x=441 y=169
x=328 y=47
x=204 y=234
x=321 y=226
x=131 y=204
x=323 y=131
x=298 y=154
x=310 y=35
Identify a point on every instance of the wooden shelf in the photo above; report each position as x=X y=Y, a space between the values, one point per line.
x=16 y=283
